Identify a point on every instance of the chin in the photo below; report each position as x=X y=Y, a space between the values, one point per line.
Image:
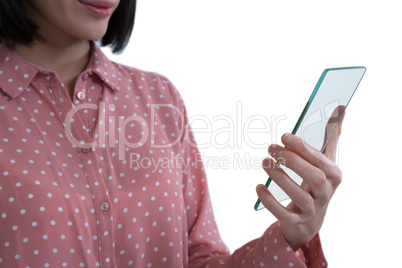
x=95 y=37
x=94 y=34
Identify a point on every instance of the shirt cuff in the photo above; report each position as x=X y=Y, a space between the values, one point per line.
x=278 y=253
x=314 y=254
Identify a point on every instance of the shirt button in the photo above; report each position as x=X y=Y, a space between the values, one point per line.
x=104 y=206
x=85 y=77
x=81 y=95
x=85 y=150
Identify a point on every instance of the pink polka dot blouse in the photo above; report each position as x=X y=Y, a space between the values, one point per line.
x=110 y=178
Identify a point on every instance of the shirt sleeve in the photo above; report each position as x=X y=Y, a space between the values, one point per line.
x=204 y=245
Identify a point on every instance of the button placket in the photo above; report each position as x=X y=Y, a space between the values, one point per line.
x=102 y=204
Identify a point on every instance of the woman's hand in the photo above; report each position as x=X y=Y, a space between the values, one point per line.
x=301 y=220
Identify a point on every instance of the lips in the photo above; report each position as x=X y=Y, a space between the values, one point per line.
x=99 y=4
x=100 y=8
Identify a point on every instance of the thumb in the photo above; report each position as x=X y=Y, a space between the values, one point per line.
x=333 y=131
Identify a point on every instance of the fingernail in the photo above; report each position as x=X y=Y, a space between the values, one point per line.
x=261 y=190
x=266 y=164
x=275 y=150
x=289 y=139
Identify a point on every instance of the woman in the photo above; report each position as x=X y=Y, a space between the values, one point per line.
x=99 y=168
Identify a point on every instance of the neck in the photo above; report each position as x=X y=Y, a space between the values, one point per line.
x=67 y=60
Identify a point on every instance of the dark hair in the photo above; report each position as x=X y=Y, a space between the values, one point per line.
x=16 y=28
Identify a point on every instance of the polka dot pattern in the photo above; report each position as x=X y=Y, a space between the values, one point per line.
x=110 y=178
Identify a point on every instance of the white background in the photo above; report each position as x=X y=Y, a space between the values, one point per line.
x=266 y=57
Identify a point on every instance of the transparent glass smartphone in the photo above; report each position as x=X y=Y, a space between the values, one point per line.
x=320 y=116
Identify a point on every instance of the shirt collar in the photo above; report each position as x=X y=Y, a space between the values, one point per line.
x=16 y=73
x=100 y=65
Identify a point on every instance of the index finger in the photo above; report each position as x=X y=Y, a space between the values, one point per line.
x=311 y=155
